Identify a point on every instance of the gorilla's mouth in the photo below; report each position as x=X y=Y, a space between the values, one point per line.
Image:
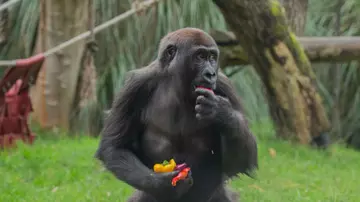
x=203 y=87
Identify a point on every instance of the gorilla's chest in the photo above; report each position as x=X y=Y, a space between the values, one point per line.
x=159 y=146
x=175 y=133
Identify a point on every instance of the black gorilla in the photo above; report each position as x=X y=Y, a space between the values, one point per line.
x=161 y=113
x=353 y=141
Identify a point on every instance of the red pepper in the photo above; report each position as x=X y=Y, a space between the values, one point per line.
x=180 y=166
x=182 y=175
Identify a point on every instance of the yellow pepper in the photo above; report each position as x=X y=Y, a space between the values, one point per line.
x=165 y=166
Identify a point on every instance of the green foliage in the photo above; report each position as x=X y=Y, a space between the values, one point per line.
x=133 y=43
x=341 y=92
x=59 y=168
x=23 y=20
x=139 y=46
x=23 y=29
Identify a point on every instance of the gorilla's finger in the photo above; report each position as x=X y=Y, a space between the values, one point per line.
x=198 y=108
x=187 y=182
x=203 y=109
x=198 y=116
x=183 y=186
x=166 y=177
x=170 y=174
x=203 y=100
x=205 y=92
x=204 y=117
x=204 y=113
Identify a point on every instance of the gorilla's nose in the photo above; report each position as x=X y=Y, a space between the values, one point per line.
x=209 y=75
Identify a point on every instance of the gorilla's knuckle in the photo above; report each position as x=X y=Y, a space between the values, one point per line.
x=197 y=107
x=202 y=99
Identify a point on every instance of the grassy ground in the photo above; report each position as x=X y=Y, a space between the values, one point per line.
x=63 y=169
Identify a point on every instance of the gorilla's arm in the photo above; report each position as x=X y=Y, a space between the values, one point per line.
x=121 y=130
x=239 y=148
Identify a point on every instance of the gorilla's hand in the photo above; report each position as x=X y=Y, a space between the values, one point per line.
x=183 y=186
x=211 y=107
x=162 y=183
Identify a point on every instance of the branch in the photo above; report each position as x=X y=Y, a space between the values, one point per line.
x=318 y=49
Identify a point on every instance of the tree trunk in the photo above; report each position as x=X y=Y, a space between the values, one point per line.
x=55 y=90
x=296 y=11
x=286 y=73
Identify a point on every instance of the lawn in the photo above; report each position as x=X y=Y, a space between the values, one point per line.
x=63 y=169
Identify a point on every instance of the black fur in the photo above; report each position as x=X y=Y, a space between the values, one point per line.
x=322 y=141
x=154 y=118
x=353 y=141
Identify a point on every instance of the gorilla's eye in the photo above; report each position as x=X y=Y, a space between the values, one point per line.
x=170 y=52
x=212 y=57
x=201 y=56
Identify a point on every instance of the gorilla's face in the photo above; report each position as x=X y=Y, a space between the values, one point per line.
x=195 y=61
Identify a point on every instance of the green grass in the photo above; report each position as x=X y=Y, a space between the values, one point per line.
x=63 y=169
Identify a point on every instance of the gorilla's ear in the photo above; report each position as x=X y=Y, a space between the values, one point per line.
x=168 y=54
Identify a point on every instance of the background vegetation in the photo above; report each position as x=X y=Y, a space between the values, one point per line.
x=132 y=44
x=60 y=168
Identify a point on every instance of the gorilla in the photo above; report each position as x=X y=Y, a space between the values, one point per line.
x=180 y=106
x=353 y=141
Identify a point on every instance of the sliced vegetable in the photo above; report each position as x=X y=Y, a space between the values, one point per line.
x=165 y=166
x=180 y=166
x=182 y=175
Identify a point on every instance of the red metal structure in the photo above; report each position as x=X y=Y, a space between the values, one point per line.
x=15 y=103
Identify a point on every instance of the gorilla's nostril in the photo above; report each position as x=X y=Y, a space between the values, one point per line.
x=209 y=75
